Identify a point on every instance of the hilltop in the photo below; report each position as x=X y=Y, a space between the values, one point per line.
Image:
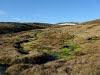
x=63 y=50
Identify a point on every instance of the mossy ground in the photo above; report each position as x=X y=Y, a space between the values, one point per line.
x=1 y=73
x=66 y=51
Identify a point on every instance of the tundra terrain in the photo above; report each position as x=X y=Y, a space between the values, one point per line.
x=27 y=49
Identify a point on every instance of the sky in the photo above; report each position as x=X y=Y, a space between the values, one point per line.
x=49 y=11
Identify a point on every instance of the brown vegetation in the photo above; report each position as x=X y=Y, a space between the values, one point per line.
x=11 y=27
x=82 y=42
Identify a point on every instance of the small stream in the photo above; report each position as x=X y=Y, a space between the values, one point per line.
x=3 y=69
x=19 y=47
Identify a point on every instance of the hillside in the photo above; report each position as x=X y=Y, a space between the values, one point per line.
x=11 y=27
x=97 y=21
x=64 y=50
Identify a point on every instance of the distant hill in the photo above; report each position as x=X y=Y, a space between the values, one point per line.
x=67 y=23
x=11 y=27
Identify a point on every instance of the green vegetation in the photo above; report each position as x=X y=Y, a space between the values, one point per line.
x=64 y=52
x=68 y=48
x=25 y=48
x=70 y=45
x=1 y=73
x=28 y=46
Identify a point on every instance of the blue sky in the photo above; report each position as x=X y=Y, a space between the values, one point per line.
x=50 y=11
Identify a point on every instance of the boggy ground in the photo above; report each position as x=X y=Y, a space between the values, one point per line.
x=77 y=49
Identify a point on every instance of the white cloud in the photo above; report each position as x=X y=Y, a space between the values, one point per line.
x=17 y=19
x=2 y=12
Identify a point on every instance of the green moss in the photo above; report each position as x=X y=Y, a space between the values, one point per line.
x=28 y=47
x=64 y=52
x=70 y=45
x=25 y=48
x=1 y=74
x=65 y=49
x=41 y=48
x=65 y=56
x=61 y=55
x=77 y=49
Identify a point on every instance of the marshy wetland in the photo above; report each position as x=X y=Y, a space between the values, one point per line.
x=51 y=50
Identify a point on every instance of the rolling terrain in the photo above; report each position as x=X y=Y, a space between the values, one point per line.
x=11 y=27
x=51 y=50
